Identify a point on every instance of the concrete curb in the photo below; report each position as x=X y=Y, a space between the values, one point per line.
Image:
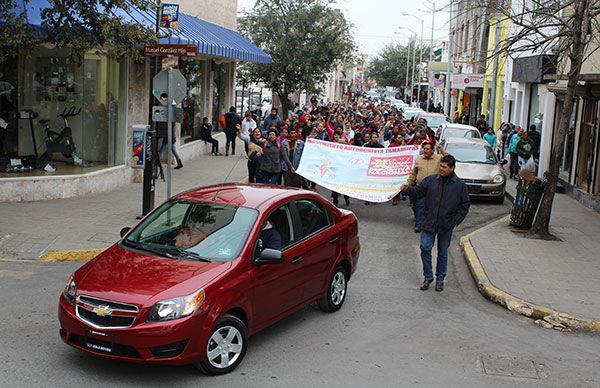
x=544 y=316
x=71 y=255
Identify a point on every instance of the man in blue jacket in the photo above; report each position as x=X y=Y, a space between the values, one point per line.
x=446 y=206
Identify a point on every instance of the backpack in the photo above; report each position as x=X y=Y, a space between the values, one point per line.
x=278 y=146
x=222 y=121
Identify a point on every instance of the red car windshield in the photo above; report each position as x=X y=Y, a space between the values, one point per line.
x=194 y=230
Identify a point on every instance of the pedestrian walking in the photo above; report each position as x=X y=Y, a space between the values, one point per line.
x=446 y=206
x=248 y=125
x=233 y=124
x=272 y=119
x=255 y=153
x=491 y=138
x=426 y=164
x=161 y=132
x=274 y=154
x=513 y=140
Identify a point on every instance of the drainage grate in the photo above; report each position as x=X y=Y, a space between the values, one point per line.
x=509 y=366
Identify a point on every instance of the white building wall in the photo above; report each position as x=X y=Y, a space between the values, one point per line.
x=221 y=12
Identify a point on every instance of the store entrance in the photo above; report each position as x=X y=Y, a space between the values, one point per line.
x=9 y=133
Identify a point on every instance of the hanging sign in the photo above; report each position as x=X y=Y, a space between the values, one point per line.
x=138 y=141
x=176 y=50
x=169 y=16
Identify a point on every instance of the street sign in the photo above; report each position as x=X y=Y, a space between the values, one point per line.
x=160 y=85
x=169 y=16
x=176 y=50
x=160 y=114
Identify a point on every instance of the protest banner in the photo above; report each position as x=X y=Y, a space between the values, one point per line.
x=369 y=174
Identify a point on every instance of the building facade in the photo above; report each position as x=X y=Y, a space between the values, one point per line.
x=469 y=32
x=103 y=99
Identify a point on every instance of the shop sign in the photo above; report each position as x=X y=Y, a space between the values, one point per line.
x=463 y=81
x=169 y=16
x=176 y=50
x=138 y=144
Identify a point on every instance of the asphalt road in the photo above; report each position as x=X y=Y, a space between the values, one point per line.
x=388 y=334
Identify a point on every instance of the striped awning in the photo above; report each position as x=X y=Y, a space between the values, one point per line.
x=211 y=39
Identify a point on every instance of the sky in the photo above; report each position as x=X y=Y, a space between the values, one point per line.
x=377 y=21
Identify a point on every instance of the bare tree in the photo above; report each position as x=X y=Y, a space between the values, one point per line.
x=569 y=31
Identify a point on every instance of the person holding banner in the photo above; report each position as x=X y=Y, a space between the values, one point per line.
x=428 y=163
x=446 y=206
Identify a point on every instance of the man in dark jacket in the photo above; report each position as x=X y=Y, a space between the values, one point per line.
x=233 y=124
x=535 y=136
x=446 y=206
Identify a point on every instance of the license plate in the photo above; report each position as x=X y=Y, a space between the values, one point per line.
x=104 y=345
x=474 y=189
x=99 y=347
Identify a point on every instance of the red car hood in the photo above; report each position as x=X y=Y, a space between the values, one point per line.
x=127 y=276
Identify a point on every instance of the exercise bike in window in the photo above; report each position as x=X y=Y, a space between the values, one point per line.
x=62 y=142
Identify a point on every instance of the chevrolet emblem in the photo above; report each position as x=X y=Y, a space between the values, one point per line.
x=102 y=311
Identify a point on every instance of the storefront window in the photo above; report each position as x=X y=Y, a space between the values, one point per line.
x=87 y=97
x=193 y=71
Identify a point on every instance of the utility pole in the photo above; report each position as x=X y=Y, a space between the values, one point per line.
x=407 y=65
x=429 y=94
x=420 y=63
x=412 y=78
x=447 y=105
x=494 y=87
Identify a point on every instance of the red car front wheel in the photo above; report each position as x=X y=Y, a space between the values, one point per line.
x=226 y=347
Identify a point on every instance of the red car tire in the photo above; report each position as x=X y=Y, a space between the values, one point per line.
x=226 y=347
x=335 y=295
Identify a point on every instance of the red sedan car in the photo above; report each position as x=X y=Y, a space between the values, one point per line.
x=206 y=269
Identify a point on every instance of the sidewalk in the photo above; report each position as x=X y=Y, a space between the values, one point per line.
x=554 y=281
x=30 y=230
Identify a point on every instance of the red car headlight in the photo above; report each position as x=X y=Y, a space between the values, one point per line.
x=176 y=308
x=70 y=290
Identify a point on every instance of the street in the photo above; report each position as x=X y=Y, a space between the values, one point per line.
x=388 y=333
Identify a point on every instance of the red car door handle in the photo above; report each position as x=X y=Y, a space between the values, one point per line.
x=296 y=259
x=334 y=240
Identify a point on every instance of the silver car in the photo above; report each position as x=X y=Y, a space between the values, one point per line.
x=456 y=130
x=478 y=166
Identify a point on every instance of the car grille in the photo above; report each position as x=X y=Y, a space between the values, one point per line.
x=103 y=313
x=479 y=181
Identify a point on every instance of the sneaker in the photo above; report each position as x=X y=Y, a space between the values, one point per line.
x=425 y=284
x=417 y=230
x=439 y=286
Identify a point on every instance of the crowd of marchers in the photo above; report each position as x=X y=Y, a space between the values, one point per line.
x=274 y=147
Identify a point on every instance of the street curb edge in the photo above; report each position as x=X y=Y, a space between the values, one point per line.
x=544 y=316
x=71 y=255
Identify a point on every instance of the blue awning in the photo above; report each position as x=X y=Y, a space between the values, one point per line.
x=211 y=39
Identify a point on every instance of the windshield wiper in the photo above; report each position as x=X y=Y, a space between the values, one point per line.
x=183 y=254
x=142 y=247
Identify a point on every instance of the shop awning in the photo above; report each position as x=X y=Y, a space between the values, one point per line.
x=211 y=39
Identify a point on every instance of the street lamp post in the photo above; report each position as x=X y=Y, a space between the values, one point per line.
x=420 y=55
x=410 y=38
x=447 y=105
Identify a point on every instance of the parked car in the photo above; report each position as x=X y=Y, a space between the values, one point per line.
x=434 y=120
x=447 y=130
x=410 y=112
x=478 y=166
x=205 y=270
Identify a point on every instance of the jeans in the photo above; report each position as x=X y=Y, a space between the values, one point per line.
x=419 y=207
x=441 y=267
x=163 y=147
x=271 y=178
